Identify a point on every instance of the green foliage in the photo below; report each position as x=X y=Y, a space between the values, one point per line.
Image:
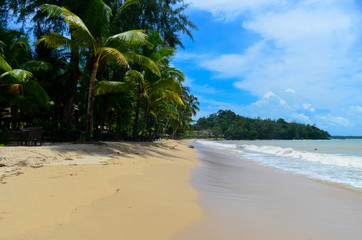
x=87 y=56
x=232 y=126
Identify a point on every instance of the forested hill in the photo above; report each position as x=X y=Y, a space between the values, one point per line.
x=228 y=125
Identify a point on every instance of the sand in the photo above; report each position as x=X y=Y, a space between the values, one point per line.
x=86 y=191
x=144 y=191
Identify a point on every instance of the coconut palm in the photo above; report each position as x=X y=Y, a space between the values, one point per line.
x=93 y=34
x=18 y=84
x=186 y=112
x=21 y=89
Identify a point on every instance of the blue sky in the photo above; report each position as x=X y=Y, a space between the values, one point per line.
x=297 y=60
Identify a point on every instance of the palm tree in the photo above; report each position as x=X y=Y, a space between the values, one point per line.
x=18 y=84
x=93 y=35
x=186 y=112
x=21 y=88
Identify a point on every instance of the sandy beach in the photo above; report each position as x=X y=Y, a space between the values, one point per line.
x=244 y=200
x=146 y=191
x=86 y=191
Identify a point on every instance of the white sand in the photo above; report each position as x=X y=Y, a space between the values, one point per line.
x=113 y=191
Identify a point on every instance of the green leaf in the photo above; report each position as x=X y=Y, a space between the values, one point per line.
x=107 y=87
x=142 y=61
x=124 y=5
x=77 y=27
x=4 y=65
x=114 y=54
x=36 y=66
x=130 y=37
x=55 y=40
x=20 y=75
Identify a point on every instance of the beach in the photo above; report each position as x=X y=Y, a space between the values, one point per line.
x=165 y=190
x=244 y=200
x=86 y=191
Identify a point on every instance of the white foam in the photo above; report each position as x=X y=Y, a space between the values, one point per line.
x=334 y=168
x=328 y=159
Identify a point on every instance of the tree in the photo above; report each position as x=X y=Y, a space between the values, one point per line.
x=166 y=17
x=94 y=37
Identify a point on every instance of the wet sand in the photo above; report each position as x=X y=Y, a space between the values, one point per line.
x=130 y=191
x=243 y=200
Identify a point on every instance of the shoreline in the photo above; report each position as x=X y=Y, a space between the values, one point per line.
x=244 y=200
x=124 y=191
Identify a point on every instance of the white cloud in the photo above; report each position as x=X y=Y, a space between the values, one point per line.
x=300 y=117
x=269 y=94
x=308 y=48
x=356 y=109
x=338 y=121
x=289 y=90
x=305 y=65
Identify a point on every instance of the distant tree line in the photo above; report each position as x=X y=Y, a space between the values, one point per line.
x=228 y=125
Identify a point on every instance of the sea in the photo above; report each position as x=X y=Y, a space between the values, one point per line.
x=336 y=161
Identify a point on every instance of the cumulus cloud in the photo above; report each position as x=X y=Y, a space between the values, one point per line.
x=309 y=50
x=305 y=65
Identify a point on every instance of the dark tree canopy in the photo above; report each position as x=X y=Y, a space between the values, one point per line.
x=231 y=126
x=92 y=71
x=165 y=16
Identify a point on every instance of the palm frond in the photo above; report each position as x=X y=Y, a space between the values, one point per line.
x=130 y=37
x=36 y=66
x=107 y=87
x=133 y=76
x=55 y=40
x=97 y=18
x=33 y=88
x=4 y=65
x=20 y=75
x=124 y=5
x=2 y=45
x=80 y=32
x=114 y=54
x=142 y=61
x=173 y=96
x=170 y=84
x=21 y=43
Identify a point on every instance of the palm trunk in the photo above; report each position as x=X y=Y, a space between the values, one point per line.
x=135 y=125
x=89 y=129
x=71 y=88
x=147 y=118
x=164 y=130
x=174 y=132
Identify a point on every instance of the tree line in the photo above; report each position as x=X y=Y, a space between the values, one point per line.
x=86 y=67
x=228 y=125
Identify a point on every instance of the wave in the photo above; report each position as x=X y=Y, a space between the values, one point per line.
x=289 y=153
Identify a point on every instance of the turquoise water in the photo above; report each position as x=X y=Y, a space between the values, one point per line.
x=335 y=161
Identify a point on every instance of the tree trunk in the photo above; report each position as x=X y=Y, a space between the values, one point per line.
x=164 y=130
x=147 y=118
x=71 y=88
x=89 y=127
x=135 y=125
x=174 y=132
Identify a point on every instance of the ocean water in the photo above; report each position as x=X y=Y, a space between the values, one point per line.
x=335 y=161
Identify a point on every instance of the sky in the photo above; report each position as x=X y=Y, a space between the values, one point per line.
x=300 y=60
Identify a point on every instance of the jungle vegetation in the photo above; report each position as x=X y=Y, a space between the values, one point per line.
x=91 y=68
x=228 y=125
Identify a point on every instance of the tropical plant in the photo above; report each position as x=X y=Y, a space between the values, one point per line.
x=18 y=85
x=93 y=35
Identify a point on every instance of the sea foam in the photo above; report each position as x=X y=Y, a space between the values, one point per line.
x=335 y=168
